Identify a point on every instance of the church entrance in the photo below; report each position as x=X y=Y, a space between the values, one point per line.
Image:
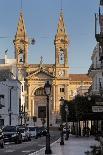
x=40 y=106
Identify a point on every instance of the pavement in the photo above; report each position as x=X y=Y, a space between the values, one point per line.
x=73 y=146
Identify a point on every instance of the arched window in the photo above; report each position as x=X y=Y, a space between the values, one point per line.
x=39 y=92
x=61 y=57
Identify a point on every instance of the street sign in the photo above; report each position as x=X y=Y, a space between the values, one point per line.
x=97 y=108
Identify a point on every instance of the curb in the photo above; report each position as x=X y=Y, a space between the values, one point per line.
x=42 y=151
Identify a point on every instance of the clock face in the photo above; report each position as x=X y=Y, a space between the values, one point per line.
x=61 y=73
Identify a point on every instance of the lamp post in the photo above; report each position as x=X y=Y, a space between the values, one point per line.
x=62 y=136
x=47 y=89
x=10 y=108
x=67 y=113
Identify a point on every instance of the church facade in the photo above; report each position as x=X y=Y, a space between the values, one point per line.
x=34 y=76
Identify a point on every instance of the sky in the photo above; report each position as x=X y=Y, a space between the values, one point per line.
x=41 y=18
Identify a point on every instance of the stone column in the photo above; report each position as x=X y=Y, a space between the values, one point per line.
x=67 y=92
x=56 y=99
x=33 y=107
x=29 y=101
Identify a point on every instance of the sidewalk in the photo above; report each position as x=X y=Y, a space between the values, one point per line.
x=74 y=146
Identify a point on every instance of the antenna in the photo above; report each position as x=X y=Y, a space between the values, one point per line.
x=61 y=6
x=21 y=4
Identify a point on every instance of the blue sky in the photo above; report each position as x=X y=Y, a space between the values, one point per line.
x=41 y=19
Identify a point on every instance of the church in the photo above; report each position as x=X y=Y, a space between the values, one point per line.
x=34 y=76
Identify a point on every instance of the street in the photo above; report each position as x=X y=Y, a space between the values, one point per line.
x=27 y=147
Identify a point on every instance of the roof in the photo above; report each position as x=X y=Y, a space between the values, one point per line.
x=79 y=77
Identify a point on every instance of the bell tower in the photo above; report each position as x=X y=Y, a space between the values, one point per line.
x=61 y=48
x=21 y=42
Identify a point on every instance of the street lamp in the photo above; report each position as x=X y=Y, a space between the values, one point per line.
x=62 y=136
x=67 y=131
x=47 y=89
x=10 y=107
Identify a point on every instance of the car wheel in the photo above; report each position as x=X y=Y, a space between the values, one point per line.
x=2 y=145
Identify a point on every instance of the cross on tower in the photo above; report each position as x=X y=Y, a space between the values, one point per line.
x=41 y=60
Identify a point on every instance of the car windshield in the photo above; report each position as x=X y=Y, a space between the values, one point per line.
x=9 y=129
x=22 y=130
x=32 y=128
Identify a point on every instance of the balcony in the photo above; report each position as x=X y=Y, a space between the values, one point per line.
x=99 y=38
x=100 y=56
x=100 y=88
x=94 y=69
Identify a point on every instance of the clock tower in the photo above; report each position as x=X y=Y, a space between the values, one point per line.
x=61 y=49
x=21 y=42
x=61 y=83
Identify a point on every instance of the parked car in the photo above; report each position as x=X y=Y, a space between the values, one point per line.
x=43 y=131
x=28 y=133
x=1 y=139
x=35 y=131
x=32 y=130
x=64 y=129
x=38 y=132
x=26 y=136
x=12 y=134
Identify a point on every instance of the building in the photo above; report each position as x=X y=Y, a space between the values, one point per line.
x=10 y=95
x=96 y=69
x=95 y=72
x=10 y=92
x=34 y=76
x=10 y=99
x=79 y=84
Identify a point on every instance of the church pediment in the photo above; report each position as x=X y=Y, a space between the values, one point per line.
x=40 y=74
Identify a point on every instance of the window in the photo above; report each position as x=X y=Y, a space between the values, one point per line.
x=61 y=57
x=39 y=92
x=22 y=88
x=61 y=90
x=2 y=99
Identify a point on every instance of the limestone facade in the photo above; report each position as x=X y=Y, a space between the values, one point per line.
x=35 y=75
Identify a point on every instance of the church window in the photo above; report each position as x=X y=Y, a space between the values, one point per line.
x=61 y=57
x=39 y=92
x=61 y=90
x=22 y=88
